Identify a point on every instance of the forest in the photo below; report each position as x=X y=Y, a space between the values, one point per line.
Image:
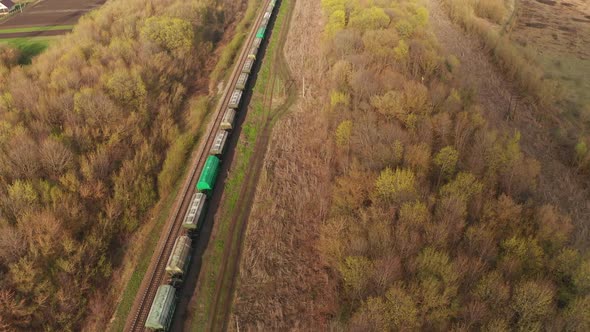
x=436 y=222
x=84 y=135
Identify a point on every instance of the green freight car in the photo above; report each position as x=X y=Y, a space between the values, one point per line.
x=209 y=175
x=261 y=32
x=162 y=309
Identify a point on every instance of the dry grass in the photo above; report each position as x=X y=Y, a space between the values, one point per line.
x=494 y=10
x=516 y=62
x=283 y=283
x=560 y=184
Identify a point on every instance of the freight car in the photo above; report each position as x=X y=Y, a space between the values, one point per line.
x=247 y=68
x=253 y=52
x=162 y=310
x=227 y=123
x=195 y=212
x=219 y=143
x=208 y=175
x=257 y=42
x=234 y=100
x=261 y=32
x=242 y=80
x=179 y=258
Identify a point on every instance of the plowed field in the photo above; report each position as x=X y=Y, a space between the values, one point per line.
x=48 y=13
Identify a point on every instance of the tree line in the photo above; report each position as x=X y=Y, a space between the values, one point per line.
x=84 y=132
x=435 y=222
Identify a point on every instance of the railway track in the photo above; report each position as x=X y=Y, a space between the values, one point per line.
x=155 y=275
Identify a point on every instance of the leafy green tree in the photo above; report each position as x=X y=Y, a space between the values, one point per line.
x=464 y=186
x=446 y=159
x=402 y=311
x=581 y=277
x=395 y=186
x=522 y=256
x=577 y=315
x=343 y=133
x=172 y=34
x=369 y=19
x=532 y=304
x=493 y=290
x=336 y=22
x=390 y=104
x=356 y=272
x=127 y=88
x=21 y=200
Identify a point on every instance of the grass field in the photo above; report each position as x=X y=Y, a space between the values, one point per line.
x=559 y=34
x=37 y=28
x=258 y=115
x=29 y=46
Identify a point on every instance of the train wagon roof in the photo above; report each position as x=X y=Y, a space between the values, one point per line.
x=209 y=174
x=248 y=65
x=234 y=100
x=242 y=79
x=178 y=260
x=219 y=143
x=260 y=33
x=194 y=211
x=161 y=311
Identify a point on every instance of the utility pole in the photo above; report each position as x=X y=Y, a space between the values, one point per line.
x=303 y=86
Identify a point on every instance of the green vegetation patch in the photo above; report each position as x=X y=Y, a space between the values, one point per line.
x=29 y=47
x=38 y=28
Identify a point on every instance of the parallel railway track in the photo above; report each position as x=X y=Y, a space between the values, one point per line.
x=155 y=274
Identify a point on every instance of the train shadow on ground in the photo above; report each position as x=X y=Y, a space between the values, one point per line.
x=201 y=242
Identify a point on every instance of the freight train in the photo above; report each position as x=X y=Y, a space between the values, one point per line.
x=164 y=303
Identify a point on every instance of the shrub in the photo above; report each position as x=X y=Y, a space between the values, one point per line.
x=338 y=98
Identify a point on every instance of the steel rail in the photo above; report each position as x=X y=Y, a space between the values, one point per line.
x=156 y=269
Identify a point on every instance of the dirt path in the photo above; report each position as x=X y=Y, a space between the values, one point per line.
x=34 y=34
x=559 y=183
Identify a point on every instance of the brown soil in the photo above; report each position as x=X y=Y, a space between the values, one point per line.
x=559 y=183
x=34 y=34
x=51 y=12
